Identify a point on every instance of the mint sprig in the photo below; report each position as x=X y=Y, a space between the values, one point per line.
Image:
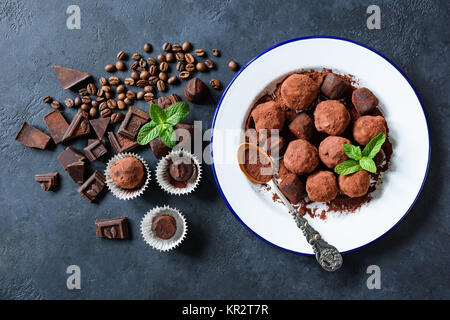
x=162 y=124
x=361 y=160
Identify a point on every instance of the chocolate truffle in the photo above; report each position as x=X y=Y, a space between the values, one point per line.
x=331 y=152
x=268 y=115
x=298 y=91
x=331 y=117
x=164 y=227
x=368 y=127
x=196 y=90
x=274 y=146
x=364 y=100
x=292 y=188
x=302 y=126
x=333 y=87
x=321 y=186
x=354 y=185
x=301 y=157
x=179 y=170
x=127 y=173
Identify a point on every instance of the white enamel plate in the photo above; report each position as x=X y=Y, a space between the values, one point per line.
x=408 y=131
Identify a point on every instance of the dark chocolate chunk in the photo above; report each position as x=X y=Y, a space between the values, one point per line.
x=48 y=181
x=100 y=125
x=115 y=228
x=69 y=156
x=95 y=149
x=76 y=171
x=69 y=77
x=196 y=90
x=92 y=187
x=333 y=86
x=159 y=148
x=164 y=227
x=133 y=121
x=78 y=127
x=121 y=144
x=31 y=137
x=165 y=102
x=292 y=188
x=364 y=100
x=57 y=125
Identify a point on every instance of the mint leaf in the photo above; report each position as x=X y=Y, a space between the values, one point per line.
x=148 y=132
x=353 y=152
x=157 y=114
x=347 y=167
x=368 y=165
x=168 y=136
x=176 y=112
x=374 y=146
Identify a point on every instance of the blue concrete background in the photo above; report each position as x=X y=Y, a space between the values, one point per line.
x=43 y=233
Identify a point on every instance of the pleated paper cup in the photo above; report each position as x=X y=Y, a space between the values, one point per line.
x=163 y=178
x=124 y=194
x=163 y=244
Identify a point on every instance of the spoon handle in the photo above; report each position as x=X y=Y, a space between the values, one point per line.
x=327 y=255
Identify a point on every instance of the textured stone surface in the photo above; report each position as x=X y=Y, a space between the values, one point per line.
x=220 y=258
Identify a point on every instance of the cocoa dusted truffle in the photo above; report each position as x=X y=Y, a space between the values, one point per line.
x=321 y=186
x=354 y=185
x=301 y=157
x=302 y=126
x=268 y=116
x=127 y=173
x=333 y=87
x=298 y=91
x=292 y=188
x=364 y=100
x=179 y=170
x=331 y=117
x=368 y=127
x=331 y=152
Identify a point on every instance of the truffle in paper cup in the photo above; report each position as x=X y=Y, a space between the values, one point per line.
x=126 y=194
x=158 y=243
x=174 y=187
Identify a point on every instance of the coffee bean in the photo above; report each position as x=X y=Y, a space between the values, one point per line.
x=86 y=99
x=94 y=103
x=121 y=88
x=69 y=103
x=161 y=58
x=140 y=95
x=121 y=96
x=135 y=65
x=108 y=95
x=100 y=92
x=215 y=83
x=114 y=81
x=99 y=99
x=149 y=96
x=180 y=56
x=106 y=89
x=121 y=55
x=233 y=65
x=83 y=92
x=142 y=63
x=153 y=70
x=170 y=57
x=147 y=47
x=121 y=105
x=136 y=56
x=151 y=61
x=110 y=68
x=187 y=46
x=200 y=52
x=144 y=75
x=190 y=67
x=164 y=66
x=134 y=75
x=166 y=47
x=153 y=80
x=201 y=67
x=216 y=52
x=102 y=106
x=185 y=74
x=93 y=112
x=189 y=58
x=91 y=89
x=116 y=117
x=77 y=102
x=120 y=65
x=176 y=47
x=142 y=83
x=85 y=107
x=105 y=113
x=149 y=89
x=131 y=94
x=111 y=103
x=180 y=66
x=163 y=76
x=103 y=81
x=128 y=101
x=161 y=86
x=172 y=80
x=47 y=99
x=129 y=81
x=209 y=63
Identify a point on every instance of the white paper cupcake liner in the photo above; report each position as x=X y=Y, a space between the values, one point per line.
x=124 y=194
x=163 y=244
x=163 y=177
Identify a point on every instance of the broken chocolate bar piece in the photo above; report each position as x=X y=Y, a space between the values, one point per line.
x=133 y=121
x=57 y=125
x=31 y=137
x=48 y=181
x=159 y=148
x=165 y=102
x=69 y=77
x=115 y=228
x=78 y=127
x=92 y=187
x=121 y=144
x=76 y=171
x=100 y=125
x=95 y=149
x=69 y=156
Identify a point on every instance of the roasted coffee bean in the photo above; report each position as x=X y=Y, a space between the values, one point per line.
x=47 y=99
x=69 y=103
x=180 y=66
x=128 y=101
x=129 y=81
x=121 y=96
x=189 y=58
x=106 y=88
x=170 y=57
x=100 y=99
x=94 y=103
x=149 y=89
x=140 y=69
x=209 y=63
x=103 y=106
x=105 y=113
x=161 y=86
x=120 y=65
x=86 y=99
x=85 y=107
x=121 y=105
x=111 y=103
x=185 y=74
x=134 y=75
x=180 y=56
x=172 y=80
x=114 y=81
x=142 y=83
x=200 y=52
x=163 y=76
x=140 y=95
x=91 y=89
x=233 y=65
x=142 y=63
x=153 y=80
x=190 y=67
x=131 y=94
x=116 y=117
x=121 y=88
x=135 y=65
x=201 y=67
x=144 y=75
x=83 y=92
x=136 y=56
x=147 y=47
x=149 y=96
x=216 y=52
x=161 y=58
x=151 y=61
x=108 y=95
x=153 y=70
x=77 y=102
x=121 y=55
x=164 y=66
x=93 y=112
x=55 y=104
x=103 y=81
x=215 y=83
x=100 y=92
x=187 y=46
x=166 y=47
x=176 y=47
x=110 y=68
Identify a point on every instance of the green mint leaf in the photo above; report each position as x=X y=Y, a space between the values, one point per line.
x=347 y=167
x=148 y=132
x=168 y=136
x=374 y=146
x=157 y=114
x=368 y=164
x=353 y=152
x=177 y=112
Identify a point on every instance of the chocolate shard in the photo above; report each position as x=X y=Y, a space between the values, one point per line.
x=76 y=171
x=92 y=187
x=69 y=156
x=69 y=77
x=95 y=149
x=78 y=127
x=159 y=148
x=133 y=121
x=115 y=228
x=165 y=102
x=48 y=181
x=56 y=124
x=100 y=125
x=31 y=137
x=121 y=144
